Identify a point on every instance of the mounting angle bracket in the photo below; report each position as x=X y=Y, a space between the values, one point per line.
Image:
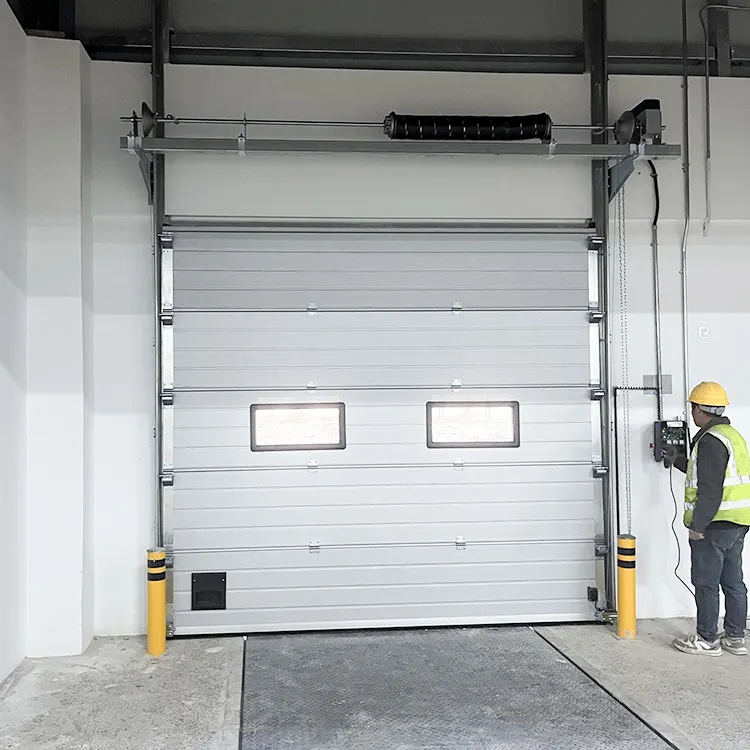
x=619 y=174
x=146 y=165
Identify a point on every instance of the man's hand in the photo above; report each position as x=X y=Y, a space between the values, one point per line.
x=669 y=455
x=695 y=535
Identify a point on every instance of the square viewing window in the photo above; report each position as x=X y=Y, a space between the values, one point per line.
x=297 y=427
x=472 y=424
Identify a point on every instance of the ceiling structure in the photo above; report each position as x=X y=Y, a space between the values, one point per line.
x=645 y=36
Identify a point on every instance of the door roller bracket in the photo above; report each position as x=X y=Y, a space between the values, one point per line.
x=596 y=243
x=600 y=547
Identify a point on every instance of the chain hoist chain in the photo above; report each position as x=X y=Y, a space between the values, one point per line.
x=624 y=353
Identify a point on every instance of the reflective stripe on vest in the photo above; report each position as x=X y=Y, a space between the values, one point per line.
x=735 y=498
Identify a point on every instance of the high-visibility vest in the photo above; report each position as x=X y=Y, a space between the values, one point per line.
x=735 y=499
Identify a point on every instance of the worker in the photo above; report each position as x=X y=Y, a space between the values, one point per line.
x=717 y=516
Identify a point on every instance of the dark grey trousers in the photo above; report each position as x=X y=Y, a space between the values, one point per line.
x=717 y=561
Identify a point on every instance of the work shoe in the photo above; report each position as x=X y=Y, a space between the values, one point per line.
x=735 y=646
x=694 y=644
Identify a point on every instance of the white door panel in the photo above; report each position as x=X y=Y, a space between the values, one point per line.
x=386 y=531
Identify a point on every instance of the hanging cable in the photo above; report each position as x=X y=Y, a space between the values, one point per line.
x=677 y=538
x=657 y=198
x=657 y=294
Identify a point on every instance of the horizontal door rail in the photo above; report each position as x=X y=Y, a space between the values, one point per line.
x=418 y=465
x=381 y=545
x=228 y=224
x=359 y=388
x=316 y=310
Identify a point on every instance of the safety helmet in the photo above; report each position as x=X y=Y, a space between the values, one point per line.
x=708 y=394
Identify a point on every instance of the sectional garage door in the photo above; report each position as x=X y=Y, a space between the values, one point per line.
x=379 y=429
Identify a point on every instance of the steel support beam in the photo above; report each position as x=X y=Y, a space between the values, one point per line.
x=595 y=27
x=386 y=54
x=718 y=40
x=159 y=55
x=596 y=151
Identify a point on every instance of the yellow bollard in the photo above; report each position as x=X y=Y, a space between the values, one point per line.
x=156 y=638
x=626 y=587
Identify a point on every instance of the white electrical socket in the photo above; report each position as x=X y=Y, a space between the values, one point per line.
x=703 y=332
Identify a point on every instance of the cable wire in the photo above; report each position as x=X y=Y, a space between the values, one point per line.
x=657 y=294
x=677 y=538
x=657 y=197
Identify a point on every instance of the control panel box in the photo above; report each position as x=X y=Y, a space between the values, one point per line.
x=670 y=434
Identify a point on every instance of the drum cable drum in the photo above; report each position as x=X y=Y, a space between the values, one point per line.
x=468 y=128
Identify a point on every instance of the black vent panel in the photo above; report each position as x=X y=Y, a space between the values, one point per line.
x=209 y=591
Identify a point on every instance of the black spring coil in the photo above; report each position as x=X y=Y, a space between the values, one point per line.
x=468 y=128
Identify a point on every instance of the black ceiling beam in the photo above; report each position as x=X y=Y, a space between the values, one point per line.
x=57 y=17
x=66 y=18
x=378 y=54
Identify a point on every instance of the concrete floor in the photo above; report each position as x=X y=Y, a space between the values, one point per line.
x=697 y=703
x=115 y=697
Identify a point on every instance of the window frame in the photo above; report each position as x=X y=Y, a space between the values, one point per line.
x=262 y=448
x=514 y=405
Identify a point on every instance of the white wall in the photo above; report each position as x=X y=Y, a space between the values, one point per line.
x=91 y=399
x=12 y=342
x=717 y=264
x=60 y=573
x=88 y=594
x=123 y=356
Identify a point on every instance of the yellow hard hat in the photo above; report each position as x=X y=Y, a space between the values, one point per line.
x=708 y=394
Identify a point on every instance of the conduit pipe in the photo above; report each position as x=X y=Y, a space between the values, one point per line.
x=686 y=200
x=657 y=291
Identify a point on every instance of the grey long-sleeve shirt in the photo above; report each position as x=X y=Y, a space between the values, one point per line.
x=712 y=467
